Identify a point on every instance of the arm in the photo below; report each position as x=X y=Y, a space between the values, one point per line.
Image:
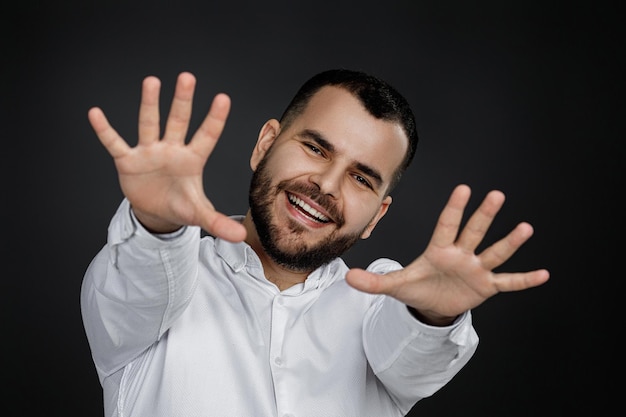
x=135 y=288
x=138 y=284
x=449 y=279
x=413 y=359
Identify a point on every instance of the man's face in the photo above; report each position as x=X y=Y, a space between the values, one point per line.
x=319 y=185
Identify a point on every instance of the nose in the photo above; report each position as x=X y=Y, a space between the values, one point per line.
x=328 y=180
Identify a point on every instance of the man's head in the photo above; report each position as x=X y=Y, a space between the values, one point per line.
x=322 y=175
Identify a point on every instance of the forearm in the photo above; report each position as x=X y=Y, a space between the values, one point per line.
x=412 y=359
x=135 y=288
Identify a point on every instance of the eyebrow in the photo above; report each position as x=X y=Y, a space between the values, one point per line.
x=323 y=143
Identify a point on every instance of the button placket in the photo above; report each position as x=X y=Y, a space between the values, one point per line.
x=279 y=319
x=277 y=359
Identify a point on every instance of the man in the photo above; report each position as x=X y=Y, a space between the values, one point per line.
x=262 y=317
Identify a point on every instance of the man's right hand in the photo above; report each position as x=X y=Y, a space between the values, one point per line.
x=162 y=177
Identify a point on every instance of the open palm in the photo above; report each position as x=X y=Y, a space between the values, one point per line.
x=162 y=177
x=449 y=277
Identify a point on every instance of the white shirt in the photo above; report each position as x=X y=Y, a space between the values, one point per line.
x=189 y=326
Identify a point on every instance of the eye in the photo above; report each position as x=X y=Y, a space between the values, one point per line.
x=363 y=181
x=313 y=148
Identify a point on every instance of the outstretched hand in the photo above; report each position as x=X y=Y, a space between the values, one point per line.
x=162 y=177
x=449 y=277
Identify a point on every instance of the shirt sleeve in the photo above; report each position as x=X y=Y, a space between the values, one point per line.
x=134 y=289
x=412 y=359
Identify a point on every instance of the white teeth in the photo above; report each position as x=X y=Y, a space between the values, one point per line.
x=310 y=210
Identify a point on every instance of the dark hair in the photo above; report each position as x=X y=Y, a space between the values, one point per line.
x=379 y=98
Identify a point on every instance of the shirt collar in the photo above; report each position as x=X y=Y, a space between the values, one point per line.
x=240 y=256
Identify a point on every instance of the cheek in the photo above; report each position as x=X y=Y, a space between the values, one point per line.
x=359 y=211
x=288 y=164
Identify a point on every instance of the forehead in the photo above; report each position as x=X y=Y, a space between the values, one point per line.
x=343 y=121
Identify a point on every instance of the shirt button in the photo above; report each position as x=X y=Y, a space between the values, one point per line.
x=288 y=415
x=280 y=301
x=278 y=361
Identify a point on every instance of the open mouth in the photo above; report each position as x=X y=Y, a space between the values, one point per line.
x=306 y=209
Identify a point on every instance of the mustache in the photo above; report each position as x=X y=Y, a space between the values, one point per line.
x=315 y=195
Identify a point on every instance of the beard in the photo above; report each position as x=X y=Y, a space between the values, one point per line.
x=284 y=245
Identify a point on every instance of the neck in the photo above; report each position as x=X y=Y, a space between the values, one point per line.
x=280 y=276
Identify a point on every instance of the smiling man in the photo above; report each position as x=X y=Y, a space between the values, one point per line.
x=262 y=317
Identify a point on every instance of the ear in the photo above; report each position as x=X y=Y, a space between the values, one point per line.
x=382 y=210
x=269 y=132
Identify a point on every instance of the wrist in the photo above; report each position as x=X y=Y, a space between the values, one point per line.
x=431 y=319
x=154 y=224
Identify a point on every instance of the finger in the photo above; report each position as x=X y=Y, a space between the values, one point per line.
x=149 y=118
x=449 y=221
x=205 y=139
x=478 y=224
x=506 y=282
x=112 y=141
x=369 y=282
x=177 y=123
x=502 y=250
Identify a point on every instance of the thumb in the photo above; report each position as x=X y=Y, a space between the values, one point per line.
x=369 y=282
x=222 y=226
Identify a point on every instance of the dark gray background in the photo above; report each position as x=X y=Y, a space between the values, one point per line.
x=520 y=96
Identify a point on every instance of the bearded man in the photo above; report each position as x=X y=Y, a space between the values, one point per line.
x=261 y=316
